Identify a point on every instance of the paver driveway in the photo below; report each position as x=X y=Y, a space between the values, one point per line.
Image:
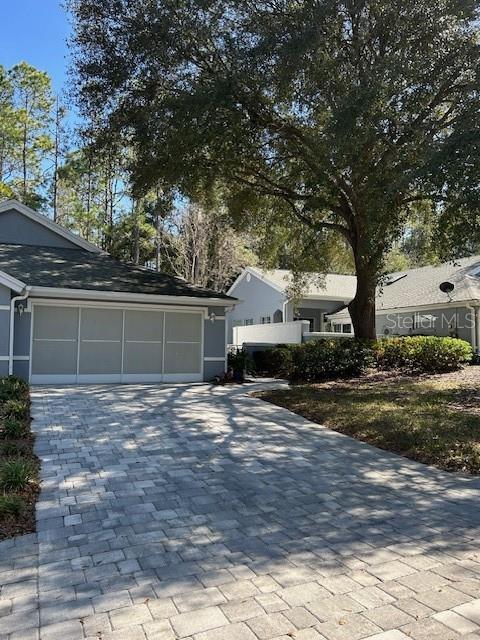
x=175 y=512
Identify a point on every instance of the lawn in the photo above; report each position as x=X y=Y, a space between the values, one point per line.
x=435 y=419
x=18 y=464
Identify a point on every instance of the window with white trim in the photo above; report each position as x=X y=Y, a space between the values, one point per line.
x=248 y=322
x=265 y=320
x=346 y=328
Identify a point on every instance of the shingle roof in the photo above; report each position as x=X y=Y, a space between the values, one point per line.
x=329 y=285
x=421 y=286
x=79 y=269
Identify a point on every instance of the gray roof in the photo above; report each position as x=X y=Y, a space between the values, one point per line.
x=329 y=285
x=79 y=269
x=420 y=287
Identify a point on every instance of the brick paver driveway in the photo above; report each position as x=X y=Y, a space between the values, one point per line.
x=191 y=512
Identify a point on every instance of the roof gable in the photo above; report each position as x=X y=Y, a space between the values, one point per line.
x=330 y=286
x=46 y=223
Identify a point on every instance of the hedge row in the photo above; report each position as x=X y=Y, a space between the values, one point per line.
x=345 y=357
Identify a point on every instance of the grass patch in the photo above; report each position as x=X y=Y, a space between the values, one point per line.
x=435 y=420
x=18 y=464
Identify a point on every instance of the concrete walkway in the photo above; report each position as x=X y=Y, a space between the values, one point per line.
x=201 y=513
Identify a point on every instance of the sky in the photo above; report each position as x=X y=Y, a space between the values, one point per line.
x=35 y=31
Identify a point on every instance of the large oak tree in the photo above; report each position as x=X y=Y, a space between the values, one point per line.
x=338 y=113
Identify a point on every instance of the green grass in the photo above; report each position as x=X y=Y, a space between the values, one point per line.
x=429 y=420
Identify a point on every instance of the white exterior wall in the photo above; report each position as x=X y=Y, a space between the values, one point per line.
x=258 y=299
x=280 y=333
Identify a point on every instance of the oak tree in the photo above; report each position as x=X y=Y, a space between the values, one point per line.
x=332 y=114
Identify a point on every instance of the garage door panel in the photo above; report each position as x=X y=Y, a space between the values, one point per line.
x=182 y=358
x=101 y=324
x=183 y=327
x=57 y=323
x=54 y=357
x=142 y=357
x=143 y=325
x=100 y=358
x=93 y=344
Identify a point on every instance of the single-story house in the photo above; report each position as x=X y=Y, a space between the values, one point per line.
x=442 y=300
x=265 y=300
x=70 y=313
x=435 y=300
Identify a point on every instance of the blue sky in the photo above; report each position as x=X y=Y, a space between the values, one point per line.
x=35 y=31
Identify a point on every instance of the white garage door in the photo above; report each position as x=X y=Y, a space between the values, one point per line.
x=94 y=344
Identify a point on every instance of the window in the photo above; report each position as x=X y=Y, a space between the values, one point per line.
x=346 y=328
x=337 y=328
x=248 y=322
x=265 y=320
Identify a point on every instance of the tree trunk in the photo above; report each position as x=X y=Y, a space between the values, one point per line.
x=362 y=307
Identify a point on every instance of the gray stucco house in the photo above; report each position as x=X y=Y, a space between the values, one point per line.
x=411 y=302
x=264 y=296
x=70 y=313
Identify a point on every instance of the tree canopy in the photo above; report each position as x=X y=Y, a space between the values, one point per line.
x=335 y=115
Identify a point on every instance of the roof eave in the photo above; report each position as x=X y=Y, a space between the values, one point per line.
x=432 y=305
x=12 y=283
x=123 y=296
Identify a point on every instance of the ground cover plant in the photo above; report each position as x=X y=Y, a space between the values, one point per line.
x=19 y=466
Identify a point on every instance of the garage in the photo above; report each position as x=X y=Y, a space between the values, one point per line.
x=74 y=343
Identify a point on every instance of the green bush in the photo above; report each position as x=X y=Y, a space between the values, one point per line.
x=14 y=429
x=330 y=358
x=423 y=354
x=275 y=362
x=16 y=474
x=241 y=362
x=16 y=409
x=12 y=388
x=11 y=505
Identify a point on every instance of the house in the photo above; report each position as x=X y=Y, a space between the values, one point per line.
x=71 y=313
x=435 y=300
x=265 y=301
x=442 y=300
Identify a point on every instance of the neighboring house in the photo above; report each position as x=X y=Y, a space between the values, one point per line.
x=411 y=302
x=264 y=299
x=441 y=300
x=70 y=313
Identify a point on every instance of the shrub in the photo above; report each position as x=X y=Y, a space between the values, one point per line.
x=240 y=361
x=12 y=387
x=275 y=362
x=331 y=358
x=11 y=505
x=16 y=409
x=423 y=354
x=16 y=474
x=14 y=429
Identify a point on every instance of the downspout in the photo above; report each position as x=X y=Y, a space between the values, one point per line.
x=13 y=301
